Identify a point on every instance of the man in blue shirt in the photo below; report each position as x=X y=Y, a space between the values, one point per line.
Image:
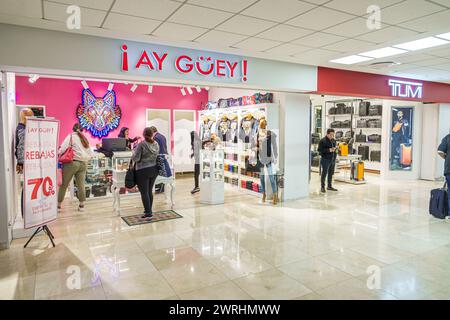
x=444 y=152
x=162 y=142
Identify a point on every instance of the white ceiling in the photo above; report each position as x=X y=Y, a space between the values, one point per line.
x=301 y=31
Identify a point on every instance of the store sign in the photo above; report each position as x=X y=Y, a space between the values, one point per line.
x=40 y=166
x=406 y=89
x=201 y=65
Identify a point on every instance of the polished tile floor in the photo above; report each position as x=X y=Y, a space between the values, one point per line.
x=317 y=248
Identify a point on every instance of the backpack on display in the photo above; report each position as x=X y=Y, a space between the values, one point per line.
x=438 y=206
x=375 y=156
x=361 y=123
x=406 y=155
x=364 y=108
x=375 y=138
x=361 y=137
x=375 y=110
x=363 y=151
x=374 y=123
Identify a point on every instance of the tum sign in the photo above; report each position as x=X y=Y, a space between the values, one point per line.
x=406 y=89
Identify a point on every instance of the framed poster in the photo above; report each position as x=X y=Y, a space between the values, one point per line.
x=401 y=148
x=40 y=165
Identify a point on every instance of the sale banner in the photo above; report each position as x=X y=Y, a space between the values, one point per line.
x=40 y=167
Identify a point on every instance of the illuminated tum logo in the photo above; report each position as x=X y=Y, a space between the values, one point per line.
x=406 y=89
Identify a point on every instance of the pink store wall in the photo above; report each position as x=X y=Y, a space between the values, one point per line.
x=62 y=96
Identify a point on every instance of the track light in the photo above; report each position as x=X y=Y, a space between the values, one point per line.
x=110 y=86
x=33 y=78
x=84 y=84
x=150 y=88
x=183 y=91
x=133 y=87
x=189 y=89
x=198 y=89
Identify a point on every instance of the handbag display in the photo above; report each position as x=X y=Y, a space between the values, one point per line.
x=361 y=137
x=340 y=108
x=99 y=190
x=349 y=110
x=364 y=152
x=375 y=138
x=346 y=124
x=374 y=123
x=375 y=110
x=339 y=134
x=361 y=123
x=349 y=135
x=67 y=156
x=332 y=110
x=364 y=108
x=130 y=176
x=336 y=124
x=375 y=155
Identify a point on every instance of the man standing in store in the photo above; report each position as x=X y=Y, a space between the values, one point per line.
x=327 y=149
x=444 y=152
x=20 y=143
x=162 y=142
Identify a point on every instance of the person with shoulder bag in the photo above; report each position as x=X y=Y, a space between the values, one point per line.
x=144 y=157
x=75 y=153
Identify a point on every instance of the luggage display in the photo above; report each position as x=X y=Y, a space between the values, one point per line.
x=339 y=134
x=99 y=190
x=340 y=108
x=364 y=108
x=315 y=138
x=375 y=110
x=438 y=206
x=361 y=123
x=405 y=155
x=336 y=124
x=349 y=134
x=315 y=161
x=346 y=124
x=343 y=149
x=332 y=110
x=375 y=155
x=374 y=123
x=375 y=138
x=360 y=171
x=361 y=137
x=349 y=110
x=364 y=152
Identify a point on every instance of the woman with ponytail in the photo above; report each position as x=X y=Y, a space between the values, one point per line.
x=82 y=153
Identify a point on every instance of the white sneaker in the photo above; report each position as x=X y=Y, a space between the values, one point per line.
x=81 y=208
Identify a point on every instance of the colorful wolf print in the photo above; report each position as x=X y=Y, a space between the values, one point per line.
x=99 y=115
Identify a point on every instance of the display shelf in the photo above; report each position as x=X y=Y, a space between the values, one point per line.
x=212 y=176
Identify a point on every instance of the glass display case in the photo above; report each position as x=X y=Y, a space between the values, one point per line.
x=212 y=176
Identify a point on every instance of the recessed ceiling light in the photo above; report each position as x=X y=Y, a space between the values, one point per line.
x=383 y=52
x=444 y=36
x=422 y=44
x=351 y=59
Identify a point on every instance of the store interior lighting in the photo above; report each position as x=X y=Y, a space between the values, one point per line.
x=133 y=87
x=422 y=44
x=445 y=36
x=189 y=89
x=110 y=86
x=383 y=52
x=351 y=59
x=198 y=89
x=84 y=84
x=33 y=78
x=183 y=91
x=207 y=88
x=150 y=88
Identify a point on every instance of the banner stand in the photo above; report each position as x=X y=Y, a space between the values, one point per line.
x=39 y=229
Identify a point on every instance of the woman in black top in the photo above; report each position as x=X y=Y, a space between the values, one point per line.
x=124 y=133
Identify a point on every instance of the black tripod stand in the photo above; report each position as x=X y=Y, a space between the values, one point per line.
x=46 y=230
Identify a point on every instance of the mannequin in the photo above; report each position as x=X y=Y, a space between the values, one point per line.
x=267 y=154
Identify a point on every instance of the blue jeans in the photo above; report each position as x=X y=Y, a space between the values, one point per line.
x=447 y=177
x=271 y=178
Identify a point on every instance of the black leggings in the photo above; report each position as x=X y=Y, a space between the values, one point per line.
x=196 y=173
x=145 y=179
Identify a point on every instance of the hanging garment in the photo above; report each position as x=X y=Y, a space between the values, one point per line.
x=206 y=130
x=233 y=130
x=247 y=129
x=223 y=129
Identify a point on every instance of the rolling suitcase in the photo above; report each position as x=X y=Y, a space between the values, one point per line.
x=343 y=149
x=375 y=156
x=438 y=207
x=361 y=137
x=364 y=108
x=360 y=171
x=406 y=155
x=375 y=110
x=364 y=152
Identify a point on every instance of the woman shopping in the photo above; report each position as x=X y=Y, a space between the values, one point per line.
x=82 y=153
x=144 y=156
x=125 y=133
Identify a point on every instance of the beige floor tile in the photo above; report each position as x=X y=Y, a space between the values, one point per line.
x=193 y=276
x=94 y=293
x=17 y=287
x=281 y=253
x=149 y=286
x=309 y=296
x=314 y=273
x=174 y=257
x=222 y=291
x=353 y=289
x=272 y=285
x=158 y=242
x=382 y=252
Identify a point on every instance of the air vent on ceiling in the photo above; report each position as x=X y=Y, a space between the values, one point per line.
x=383 y=64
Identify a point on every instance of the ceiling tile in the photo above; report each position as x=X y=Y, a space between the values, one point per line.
x=319 y=39
x=25 y=8
x=444 y=3
x=220 y=38
x=388 y=34
x=284 y=33
x=153 y=9
x=256 y=44
x=350 y=28
x=442 y=52
x=277 y=10
x=228 y=5
x=350 y=45
x=57 y=12
x=358 y=7
x=435 y=22
x=245 y=25
x=318 y=2
x=199 y=17
x=173 y=31
x=432 y=62
x=408 y=10
x=288 y=49
x=130 y=24
x=316 y=56
x=413 y=57
x=319 y=18
x=97 y=4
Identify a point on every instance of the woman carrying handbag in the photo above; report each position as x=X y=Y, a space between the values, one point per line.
x=74 y=155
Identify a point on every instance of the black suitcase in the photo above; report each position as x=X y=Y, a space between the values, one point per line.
x=375 y=138
x=340 y=108
x=375 y=110
x=438 y=206
x=375 y=156
x=99 y=190
x=332 y=110
x=364 y=152
x=364 y=108
x=361 y=137
x=361 y=123
x=349 y=110
x=374 y=123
